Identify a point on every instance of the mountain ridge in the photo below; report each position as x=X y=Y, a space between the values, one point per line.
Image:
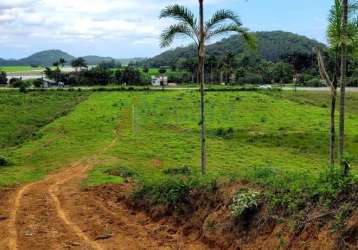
x=48 y=57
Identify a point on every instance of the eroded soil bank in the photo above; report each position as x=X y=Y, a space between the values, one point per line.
x=205 y=217
x=59 y=213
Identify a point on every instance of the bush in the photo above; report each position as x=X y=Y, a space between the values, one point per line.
x=3 y=78
x=18 y=83
x=38 y=83
x=250 y=78
x=170 y=191
x=4 y=162
x=314 y=82
x=123 y=172
x=244 y=203
x=352 y=82
x=225 y=133
x=178 y=171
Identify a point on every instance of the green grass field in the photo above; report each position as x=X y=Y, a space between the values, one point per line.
x=246 y=131
x=20 y=69
x=272 y=139
x=22 y=115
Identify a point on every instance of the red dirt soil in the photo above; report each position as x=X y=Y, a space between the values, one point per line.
x=56 y=213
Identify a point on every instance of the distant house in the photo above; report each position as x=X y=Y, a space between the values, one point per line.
x=156 y=81
x=48 y=83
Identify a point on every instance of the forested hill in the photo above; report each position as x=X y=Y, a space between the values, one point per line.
x=270 y=45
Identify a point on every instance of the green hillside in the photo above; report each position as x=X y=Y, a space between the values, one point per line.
x=270 y=45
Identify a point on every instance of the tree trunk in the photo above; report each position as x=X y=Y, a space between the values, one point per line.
x=343 y=83
x=202 y=87
x=332 y=146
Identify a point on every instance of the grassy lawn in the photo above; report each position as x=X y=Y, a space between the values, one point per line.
x=268 y=133
x=19 y=69
x=251 y=135
x=22 y=115
x=318 y=98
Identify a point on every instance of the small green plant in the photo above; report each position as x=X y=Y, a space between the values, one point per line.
x=225 y=133
x=123 y=172
x=4 y=162
x=171 y=191
x=211 y=225
x=178 y=171
x=244 y=202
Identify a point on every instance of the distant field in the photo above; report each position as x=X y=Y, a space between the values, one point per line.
x=250 y=135
x=19 y=69
x=318 y=98
x=22 y=115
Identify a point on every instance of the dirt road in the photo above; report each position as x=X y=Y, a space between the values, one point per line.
x=56 y=213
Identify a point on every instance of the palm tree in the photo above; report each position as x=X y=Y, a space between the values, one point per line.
x=343 y=82
x=221 y=23
x=336 y=38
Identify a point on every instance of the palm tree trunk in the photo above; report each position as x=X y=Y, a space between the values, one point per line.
x=343 y=83
x=333 y=129
x=202 y=90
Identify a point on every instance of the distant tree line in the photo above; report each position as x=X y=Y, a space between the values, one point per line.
x=103 y=74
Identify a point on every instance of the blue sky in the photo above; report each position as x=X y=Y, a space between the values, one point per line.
x=130 y=28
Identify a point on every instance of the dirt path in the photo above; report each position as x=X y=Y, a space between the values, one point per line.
x=56 y=213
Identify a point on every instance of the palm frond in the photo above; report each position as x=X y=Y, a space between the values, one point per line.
x=180 y=13
x=233 y=28
x=334 y=31
x=168 y=35
x=222 y=16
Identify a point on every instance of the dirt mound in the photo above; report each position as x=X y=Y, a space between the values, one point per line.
x=207 y=218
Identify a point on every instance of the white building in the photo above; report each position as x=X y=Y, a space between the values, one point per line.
x=156 y=81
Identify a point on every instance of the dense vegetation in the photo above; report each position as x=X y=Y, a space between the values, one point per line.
x=271 y=47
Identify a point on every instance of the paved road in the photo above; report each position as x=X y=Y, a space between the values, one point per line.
x=318 y=89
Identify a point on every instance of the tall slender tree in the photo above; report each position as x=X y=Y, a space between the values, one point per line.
x=332 y=75
x=221 y=23
x=343 y=81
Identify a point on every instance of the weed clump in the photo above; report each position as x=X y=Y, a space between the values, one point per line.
x=244 y=203
x=170 y=192
x=178 y=171
x=4 y=162
x=123 y=172
x=225 y=133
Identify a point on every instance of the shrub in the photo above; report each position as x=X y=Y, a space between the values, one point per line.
x=225 y=133
x=4 y=162
x=250 y=78
x=178 y=171
x=170 y=191
x=38 y=83
x=314 y=82
x=123 y=172
x=244 y=203
x=352 y=82
x=3 y=78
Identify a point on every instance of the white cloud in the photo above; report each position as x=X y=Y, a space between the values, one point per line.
x=132 y=22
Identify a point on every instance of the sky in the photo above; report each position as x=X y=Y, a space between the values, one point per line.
x=131 y=28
